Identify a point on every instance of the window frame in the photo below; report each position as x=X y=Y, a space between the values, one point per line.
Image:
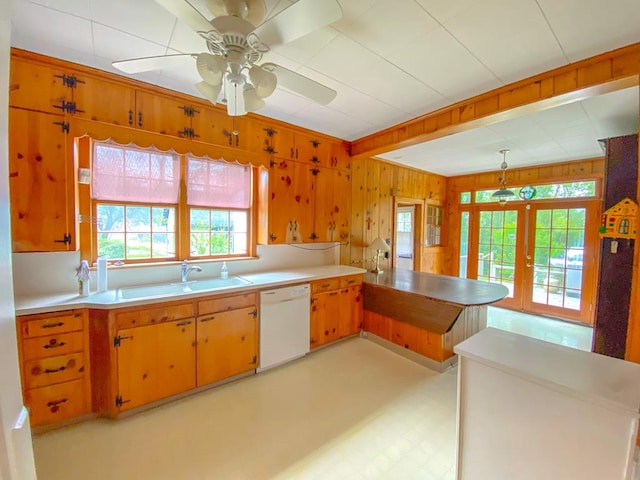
x=88 y=226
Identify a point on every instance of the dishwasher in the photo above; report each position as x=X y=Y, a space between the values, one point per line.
x=284 y=325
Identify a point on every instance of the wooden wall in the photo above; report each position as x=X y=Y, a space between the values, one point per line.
x=375 y=185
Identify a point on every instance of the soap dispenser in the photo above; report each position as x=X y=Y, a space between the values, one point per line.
x=224 y=273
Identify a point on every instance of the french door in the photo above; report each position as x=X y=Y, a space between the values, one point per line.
x=544 y=253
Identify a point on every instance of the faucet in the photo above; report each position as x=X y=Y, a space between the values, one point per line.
x=186 y=270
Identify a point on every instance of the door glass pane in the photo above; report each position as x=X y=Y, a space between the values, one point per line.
x=558 y=256
x=464 y=244
x=496 y=249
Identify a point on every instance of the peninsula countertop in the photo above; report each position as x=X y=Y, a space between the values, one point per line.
x=113 y=298
x=444 y=288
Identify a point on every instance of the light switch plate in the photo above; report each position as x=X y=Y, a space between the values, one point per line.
x=84 y=176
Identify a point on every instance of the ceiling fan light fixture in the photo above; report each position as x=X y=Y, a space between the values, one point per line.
x=264 y=81
x=210 y=92
x=211 y=68
x=234 y=93
x=252 y=101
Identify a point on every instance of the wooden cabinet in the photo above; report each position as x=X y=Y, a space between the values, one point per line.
x=336 y=309
x=39 y=87
x=162 y=114
x=104 y=101
x=41 y=182
x=213 y=125
x=339 y=156
x=290 y=203
x=54 y=364
x=155 y=362
x=311 y=150
x=149 y=353
x=332 y=205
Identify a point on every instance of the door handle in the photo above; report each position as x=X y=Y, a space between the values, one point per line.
x=529 y=265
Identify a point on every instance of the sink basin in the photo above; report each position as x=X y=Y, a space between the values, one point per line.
x=146 y=291
x=214 y=283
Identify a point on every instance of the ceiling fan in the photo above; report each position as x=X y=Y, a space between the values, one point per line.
x=237 y=38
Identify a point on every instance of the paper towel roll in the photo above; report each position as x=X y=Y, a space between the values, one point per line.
x=102 y=274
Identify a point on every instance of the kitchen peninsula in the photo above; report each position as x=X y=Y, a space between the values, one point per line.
x=425 y=315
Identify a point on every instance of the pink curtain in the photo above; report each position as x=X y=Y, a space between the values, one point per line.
x=130 y=174
x=215 y=183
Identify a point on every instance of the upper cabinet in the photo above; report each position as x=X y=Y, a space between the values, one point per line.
x=104 y=101
x=40 y=87
x=160 y=114
x=41 y=183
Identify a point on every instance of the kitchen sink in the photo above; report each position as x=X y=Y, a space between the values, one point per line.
x=130 y=293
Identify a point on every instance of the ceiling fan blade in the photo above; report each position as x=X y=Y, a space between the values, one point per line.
x=300 y=18
x=147 y=64
x=302 y=85
x=187 y=13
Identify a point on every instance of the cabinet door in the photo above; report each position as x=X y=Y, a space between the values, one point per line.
x=105 y=101
x=312 y=150
x=341 y=206
x=227 y=344
x=326 y=309
x=160 y=114
x=42 y=202
x=323 y=229
x=37 y=87
x=155 y=362
x=213 y=125
x=339 y=156
x=355 y=309
x=290 y=201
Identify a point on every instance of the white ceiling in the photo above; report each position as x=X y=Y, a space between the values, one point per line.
x=389 y=61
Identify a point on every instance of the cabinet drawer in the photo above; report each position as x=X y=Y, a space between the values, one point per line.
x=41 y=326
x=56 y=402
x=223 y=304
x=48 y=371
x=350 y=281
x=52 y=345
x=153 y=315
x=325 y=285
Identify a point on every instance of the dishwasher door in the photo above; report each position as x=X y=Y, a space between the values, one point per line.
x=284 y=325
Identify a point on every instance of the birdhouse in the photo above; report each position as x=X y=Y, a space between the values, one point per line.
x=619 y=221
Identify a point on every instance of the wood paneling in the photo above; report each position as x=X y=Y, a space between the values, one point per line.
x=606 y=72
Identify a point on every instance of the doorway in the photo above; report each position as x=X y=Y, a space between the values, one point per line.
x=407 y=233
x=544 y=253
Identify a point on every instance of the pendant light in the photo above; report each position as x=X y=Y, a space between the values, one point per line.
x=503 y=194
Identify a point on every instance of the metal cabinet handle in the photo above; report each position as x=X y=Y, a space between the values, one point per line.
x=53 y=325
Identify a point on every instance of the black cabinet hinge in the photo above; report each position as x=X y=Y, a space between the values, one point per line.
x=120 y=401
x=188 y=133
x=270 y=150
x=68 y=107
x=63 y=125
x=270 y=131
x=315 y=159
x=117 y=340
x=254 y=314
x=188 y=110
x=70 y=81
x=315 y=171
x=66 y=238
x=313 y=236
x=272 y=237
x=315 y=143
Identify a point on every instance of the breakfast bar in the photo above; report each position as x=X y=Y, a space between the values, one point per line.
x=425 y=315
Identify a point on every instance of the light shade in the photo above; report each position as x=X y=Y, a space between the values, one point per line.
x=211 y=68
x=252 y=101
x=503 y=193
x=209 y=91
x=379 y=244
x=264 y=82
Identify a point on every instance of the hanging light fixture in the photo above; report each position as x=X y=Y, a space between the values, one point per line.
x=503 y=194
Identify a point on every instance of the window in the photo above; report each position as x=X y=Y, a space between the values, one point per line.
x=135 y=195
x=222 y=228
x=557 y=190
x=139 y=209
x=434 y=224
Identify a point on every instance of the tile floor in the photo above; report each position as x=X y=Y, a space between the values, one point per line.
x=555 y=331
x=350 y=411
x=353 y=410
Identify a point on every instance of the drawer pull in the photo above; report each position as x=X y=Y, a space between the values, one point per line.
x=53 y=344
x=53 y=325
x=183 y=324
x=54 y=405
x=326 y=285
x=351 y=281
x=207 y=319
x=55 y=370
x=331 y=294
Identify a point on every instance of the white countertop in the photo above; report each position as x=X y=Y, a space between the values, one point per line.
x=607 y=381
x=111 y=299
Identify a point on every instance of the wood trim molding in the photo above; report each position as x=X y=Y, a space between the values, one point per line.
x=603 y=73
